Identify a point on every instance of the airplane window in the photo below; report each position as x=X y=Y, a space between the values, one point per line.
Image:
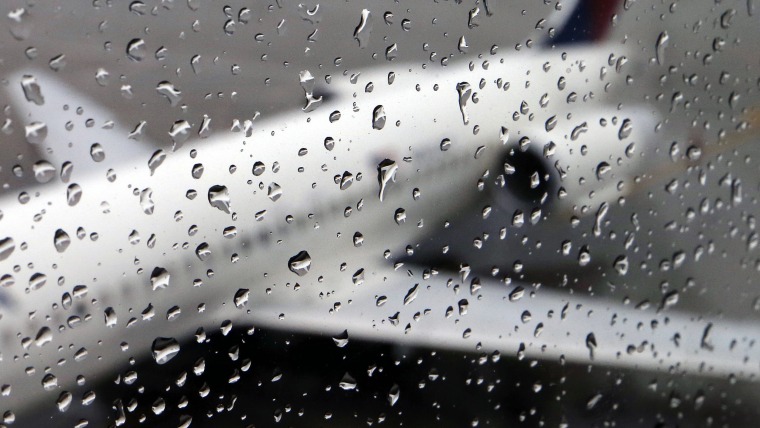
x=379 y=213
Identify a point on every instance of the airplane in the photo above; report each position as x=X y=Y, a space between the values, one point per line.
x=306 y=221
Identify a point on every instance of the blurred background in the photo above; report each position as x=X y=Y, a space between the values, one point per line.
x=165 y=163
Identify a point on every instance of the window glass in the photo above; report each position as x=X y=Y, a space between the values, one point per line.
x=348 y=213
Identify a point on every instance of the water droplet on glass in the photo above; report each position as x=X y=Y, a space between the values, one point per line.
x=516 y=294
x=219 y=198
x=578 y=130
x=347 y=383
x=97 y=153
x=364 y=29
x=473 y=19
x=393 y=394
x=386 y=173
x=171 y=93
x=346 y=180
x=64 y=401
x=411 y=294
x=159 y=278
x=109 y=316
x=7 y=246
x=625 y=129
x=146 y=201
x=179 y=133
x=73 y=194
x=591 y=344
x=313 y=15
x=274 y=192
x=602 y=169
x=241 y=297
x=44 y=336
x=391 y=52
x=341 y=340
x=44 y=171
x=307 y=83
x=20 y=25
x=203 y=251
x=136 y=49
x=32 y=90
x=300 y=263
x=584 y=257
x=35 y=132
x=61 y=240
x=551 y=123
x=49 y=382
x=599 y=219
x=465 y=92
x=727 y=18
x=462 y=46
x=37 y=281
x=662 y=43
x=378 y=117
x=156 y=160
x=463 y=305
x=102 y=77
x=258 y=168
x=164 y=349
x=329 y=143
x=400 y=216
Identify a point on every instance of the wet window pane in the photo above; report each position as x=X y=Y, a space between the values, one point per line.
x=361 y=213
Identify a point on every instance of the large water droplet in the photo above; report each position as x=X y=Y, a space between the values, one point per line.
x=465 y=92
x=578 y=130
x=44 y=336
x=171 y=93
x=307 y=83
x=179 y=133
x=203 y=251
x=391 y=52
x=64 y=401
x=44 y=171
x=73 y=194
x=274 y=192
x=625 y=129
x=662 y=43
x=599 y=219
x=49 y=382
x=35 y=132
x=32 y=90
x=156 y=160
x=300 y=263
x=159 y=278
x=341 y=340
x=347 y=383
x=393 y=394
x=37 y=281
x=164 y=349
x=364 y=29
x=400 y=216
x=97 y=153
x=591 y=344
x=136 y=49
x=219 y=198
x=146 y=201
x=386 y=172
x=61 y=240
x=241 y=297
x=109 y=315
x=7 y=246
x=378 y=117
